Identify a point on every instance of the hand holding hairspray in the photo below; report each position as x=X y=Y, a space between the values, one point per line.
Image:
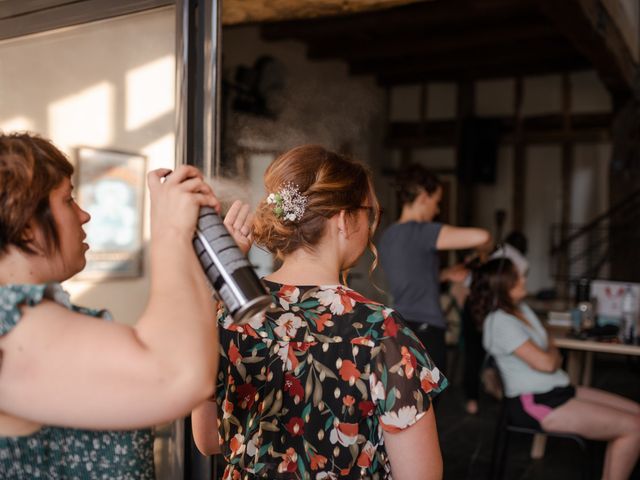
x=227 y=269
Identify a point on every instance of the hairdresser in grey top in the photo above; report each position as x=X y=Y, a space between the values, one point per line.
x=408 y=252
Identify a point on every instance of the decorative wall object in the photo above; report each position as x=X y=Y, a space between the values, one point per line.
x=110 y=187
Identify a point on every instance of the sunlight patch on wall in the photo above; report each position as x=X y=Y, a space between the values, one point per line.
x=16 y=124
x=149 y=92
x=84 y=118
x=160 y=153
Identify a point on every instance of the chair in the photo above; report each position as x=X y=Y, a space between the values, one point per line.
x=505 y=428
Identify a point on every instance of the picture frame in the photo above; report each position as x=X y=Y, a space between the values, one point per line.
x=110 y=186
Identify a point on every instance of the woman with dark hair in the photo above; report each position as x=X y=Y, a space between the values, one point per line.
x=409 y=254
x=328 y=383
x=514 y=248
x=537 y=390
x=76 y=391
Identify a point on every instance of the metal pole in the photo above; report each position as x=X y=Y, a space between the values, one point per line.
x=211 y=85
x=182 y=80
x=197 y=135
x=181 y=147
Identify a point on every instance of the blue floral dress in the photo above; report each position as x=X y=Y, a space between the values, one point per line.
x=65 y=453
x=306 y=391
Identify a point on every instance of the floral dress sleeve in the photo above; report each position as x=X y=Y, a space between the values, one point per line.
x=14 y=297
x=403 y=378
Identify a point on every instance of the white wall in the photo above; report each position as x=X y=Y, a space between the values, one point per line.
x=489 y=198
x=322 y=103
x=543 y=200
x=590 y=182
x=108 y=84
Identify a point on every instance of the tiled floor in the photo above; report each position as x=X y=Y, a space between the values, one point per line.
x=467 y=440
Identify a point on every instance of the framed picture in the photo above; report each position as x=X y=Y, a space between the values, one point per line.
x=110 y=186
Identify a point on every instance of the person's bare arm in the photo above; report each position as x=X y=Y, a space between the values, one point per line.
x=63 y=368
x=239 y=222
x=204 y=418
x=414 y=453
x=458 y=238
x=542 y=360
x=204 y=423
x=455 y=273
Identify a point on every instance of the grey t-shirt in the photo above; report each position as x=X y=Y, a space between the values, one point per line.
x=502 y=334
x=411 y=265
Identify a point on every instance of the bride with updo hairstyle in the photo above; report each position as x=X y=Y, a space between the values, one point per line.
x=326 y=383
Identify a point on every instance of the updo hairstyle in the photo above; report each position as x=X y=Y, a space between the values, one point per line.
x=330 y=181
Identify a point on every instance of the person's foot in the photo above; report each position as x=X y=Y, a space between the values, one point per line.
x=471 y=407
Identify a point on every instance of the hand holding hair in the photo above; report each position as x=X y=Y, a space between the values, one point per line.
x=239 y=222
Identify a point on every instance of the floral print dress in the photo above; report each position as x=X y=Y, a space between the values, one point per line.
x=68 y=453
x=306 y=391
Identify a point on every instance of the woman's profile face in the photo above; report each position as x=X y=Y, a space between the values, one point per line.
x=519 y=291
x=69 y=218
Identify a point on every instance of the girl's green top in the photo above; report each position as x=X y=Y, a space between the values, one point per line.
x=67 y=453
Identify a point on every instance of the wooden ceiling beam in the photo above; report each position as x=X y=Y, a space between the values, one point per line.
x=419 y=75
x=586 y=127
x=425 y=42
x=513 y=53
x=255 y=11
x=588 y=25
x=422 y=15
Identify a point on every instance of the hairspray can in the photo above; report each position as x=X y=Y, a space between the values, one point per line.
x=227 y=269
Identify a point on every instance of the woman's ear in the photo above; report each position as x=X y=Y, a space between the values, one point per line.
x=29 y=235
x=343 y=223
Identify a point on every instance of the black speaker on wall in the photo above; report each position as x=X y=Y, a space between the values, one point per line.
x=479 y=150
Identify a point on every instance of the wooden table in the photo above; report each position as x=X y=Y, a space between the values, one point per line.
x=581 y=353
x=580 y=366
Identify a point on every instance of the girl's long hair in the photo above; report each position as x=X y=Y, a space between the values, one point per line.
x=490 y=289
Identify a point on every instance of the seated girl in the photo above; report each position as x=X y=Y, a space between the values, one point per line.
x=538 y=391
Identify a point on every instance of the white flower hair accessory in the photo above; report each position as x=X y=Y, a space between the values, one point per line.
x=288 y=204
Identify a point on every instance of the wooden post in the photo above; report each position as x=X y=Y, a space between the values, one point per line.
x=624 y=180
x=424 y=99
x=519 y=160
x=465 y=110
x=562 y=283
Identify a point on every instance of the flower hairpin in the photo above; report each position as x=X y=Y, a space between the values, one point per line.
x=288 y=204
